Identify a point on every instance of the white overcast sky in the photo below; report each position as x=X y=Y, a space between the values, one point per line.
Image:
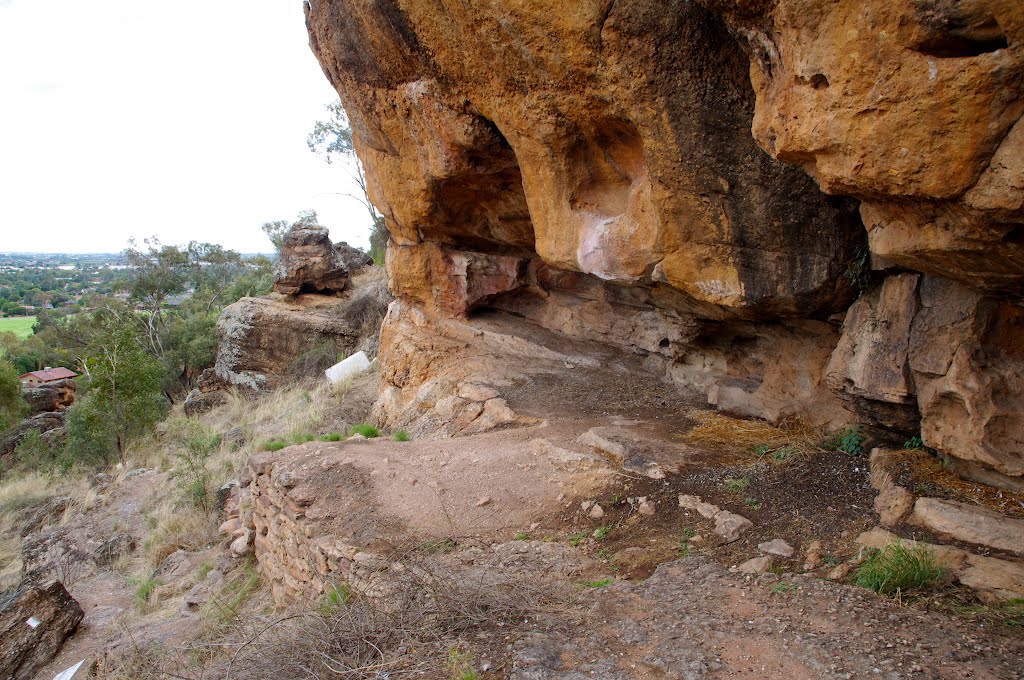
x=186 y=120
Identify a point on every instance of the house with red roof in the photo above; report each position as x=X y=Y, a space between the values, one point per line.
x=46 y=375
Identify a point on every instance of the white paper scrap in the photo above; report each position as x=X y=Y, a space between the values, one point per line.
x=69 y=673
x=33 y=622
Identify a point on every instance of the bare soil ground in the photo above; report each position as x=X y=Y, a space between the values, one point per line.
x=654 y=594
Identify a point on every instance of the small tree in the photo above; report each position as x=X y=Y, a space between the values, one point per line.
x=331 y=139
x=124 y=398
x=12 y=406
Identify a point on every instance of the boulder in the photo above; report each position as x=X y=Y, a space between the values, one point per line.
x=35 y=620
x=198 y=402
x=310 y=263
x=45 y=422
x=260 y=338
x=51 y=396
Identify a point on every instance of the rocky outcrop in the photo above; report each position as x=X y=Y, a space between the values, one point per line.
x=51 y=396
x=48 y=424
x=708 y=186
x=260 y=338
x=310 y=263
x=34 y=622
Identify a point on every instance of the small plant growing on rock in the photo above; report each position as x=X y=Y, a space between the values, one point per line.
x=897 y=569
x=522 y=536
x=330 y=437
x=364 y=429
x=401 y=436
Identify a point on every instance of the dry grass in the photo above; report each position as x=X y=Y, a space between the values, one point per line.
x=929 y=477
x=431 y=611
x=20 y=497
x=174 y=525
x=752 y=439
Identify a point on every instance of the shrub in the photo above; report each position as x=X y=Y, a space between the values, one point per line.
x=365 y=429
x=331 y=437
x=897 y=569
x=33 y=453
x=401 y=436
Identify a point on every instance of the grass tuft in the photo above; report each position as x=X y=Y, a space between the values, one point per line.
x=401 y=436
x=365 y=429
x=897 y=570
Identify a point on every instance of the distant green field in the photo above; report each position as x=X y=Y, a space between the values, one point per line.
x=19 y=325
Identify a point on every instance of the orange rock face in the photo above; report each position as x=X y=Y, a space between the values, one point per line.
x=707 y=185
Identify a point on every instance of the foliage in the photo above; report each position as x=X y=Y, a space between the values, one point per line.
x=12 y=406
x=33 y=453
x=123 y=396
x=460 y=665
x=330 y=437
x=276 y=231
x=145 y=586
x=602 y=532
x=195 y=443
x=272 y=445
x=332 y=140
x=364 y=429
x=897 y=570
x=848 y=440
x=400 y=436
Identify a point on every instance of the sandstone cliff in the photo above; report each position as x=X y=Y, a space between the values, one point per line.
x=710 y=185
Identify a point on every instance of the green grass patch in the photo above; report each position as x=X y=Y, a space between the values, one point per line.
x=521 y=536
x=578 y=537
x=21 y=326
x=897 y=570
x=335 y=598
x=273 y=445
x=236 y=592
x=783 y=587
x=599 y=583
x=401 y=436
x=145 y=586
x=737 y=484
x=601 y=533
x=365 y=429
x=331 y=437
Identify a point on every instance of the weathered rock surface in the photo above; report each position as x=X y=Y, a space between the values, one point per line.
x=630 y=174
x=34 y=622
x=52 y=396
x=261 y=337
x=310 y=263
x=44 y=423
x=970 y=524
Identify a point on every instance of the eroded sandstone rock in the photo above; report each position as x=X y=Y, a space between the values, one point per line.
x=624 y=174
x=310 y=263
x=51 y=396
